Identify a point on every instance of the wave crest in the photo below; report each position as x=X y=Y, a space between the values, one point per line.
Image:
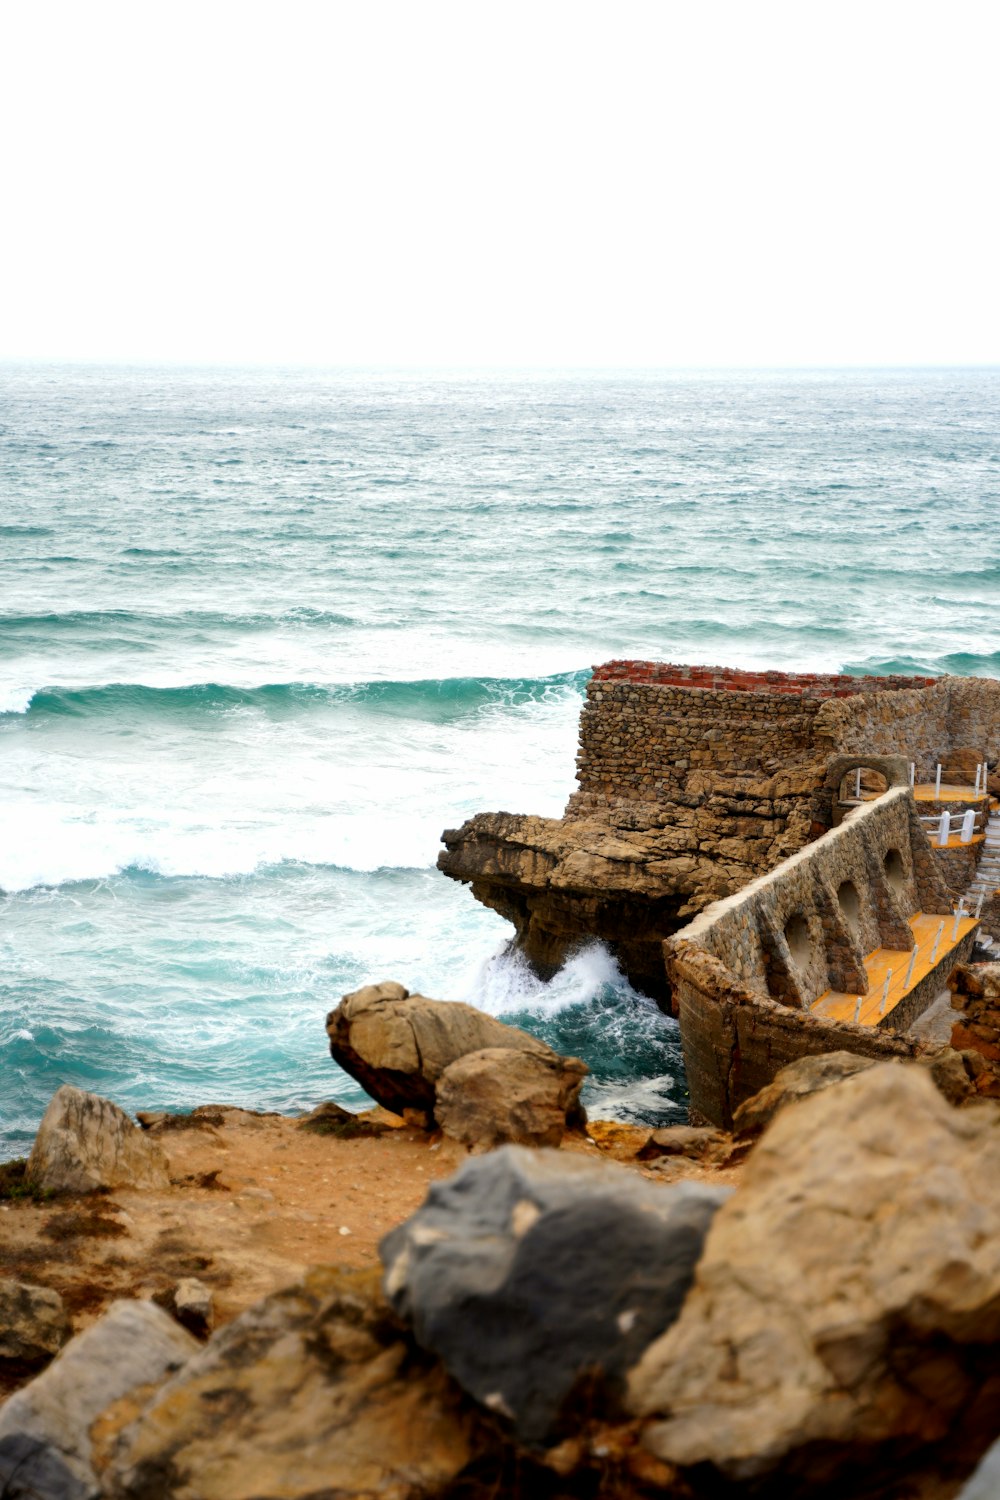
x=435 y=698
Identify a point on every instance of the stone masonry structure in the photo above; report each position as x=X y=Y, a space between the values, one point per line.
x=747 y=970
x=694 y=781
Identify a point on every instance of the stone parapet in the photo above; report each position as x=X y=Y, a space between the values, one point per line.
x=746 y=971
x=737 y=680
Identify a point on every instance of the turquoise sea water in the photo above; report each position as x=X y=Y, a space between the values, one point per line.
x=264 y=634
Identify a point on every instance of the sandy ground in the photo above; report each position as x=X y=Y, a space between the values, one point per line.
x=255 y=1200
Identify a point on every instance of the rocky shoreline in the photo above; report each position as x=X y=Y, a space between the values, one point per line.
x=415 y=1303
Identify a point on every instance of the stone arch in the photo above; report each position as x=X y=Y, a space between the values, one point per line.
x=893 y=771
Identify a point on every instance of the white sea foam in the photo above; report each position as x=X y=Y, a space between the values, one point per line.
x=505 y=984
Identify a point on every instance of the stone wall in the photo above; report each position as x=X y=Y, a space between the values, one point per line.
x=736 y=1040
x=799 y=931
x=925 y=725
x=746 y=970
x=734 y=776
x=655 y=732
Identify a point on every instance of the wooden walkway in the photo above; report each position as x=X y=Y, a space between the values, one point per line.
x=841 y=1007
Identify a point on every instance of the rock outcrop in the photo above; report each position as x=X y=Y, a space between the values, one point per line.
x=33 y=1322
x=405 y=1051
x=310 y=1393
x=975 y=998
x=564 y=882
x=846 y=1309
x=133 y=1344
x=531 y=1272
x=85 y=1143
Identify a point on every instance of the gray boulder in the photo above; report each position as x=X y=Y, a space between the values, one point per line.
x=500 y=1096
x=33 y=1322
x=985 y=1482
x=398 y=1045
x=33 y=1470
x=134 y=1343
x=531 y=1272
x=85 y=1143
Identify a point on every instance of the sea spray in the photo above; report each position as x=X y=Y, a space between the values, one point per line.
x=589 y=1010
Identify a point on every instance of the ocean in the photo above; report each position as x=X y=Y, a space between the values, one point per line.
x=265 y=633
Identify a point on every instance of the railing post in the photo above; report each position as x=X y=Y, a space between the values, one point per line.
x=979 y=772
x=968 y=823
x=913 y=775
x=944 y=828
x=857 y=785
x=857 y=1009
x=885 y=992
x=937 y=782
x=909 y=969
x=936 y=942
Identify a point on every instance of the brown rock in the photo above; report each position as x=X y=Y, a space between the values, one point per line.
x=330 y=1118
x=500 y=1096
x=848 y=1296
x=805 y=1076
x=959 y=767
x=618 y=1139
x=33 y=1322
x=397 y=1045
x=85 y=1143
x=695 y=1141
x=311 y=1392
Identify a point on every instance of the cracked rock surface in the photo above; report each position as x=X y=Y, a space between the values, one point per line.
x=848 y=1296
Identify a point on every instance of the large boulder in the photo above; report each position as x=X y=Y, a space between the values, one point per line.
x=502 y=1095
x=85 y=1143
x=398 y=1045
x=531 y=1272
x=133 y=1344
x=848 y=1298
x=33 y=1322
x=312 y=1392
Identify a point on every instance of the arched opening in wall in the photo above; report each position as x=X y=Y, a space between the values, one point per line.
x=895 y=871
x=798 y=940
x=862 y=785
x=850 y=905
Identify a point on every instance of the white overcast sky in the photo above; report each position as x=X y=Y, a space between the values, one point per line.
x=624 y=183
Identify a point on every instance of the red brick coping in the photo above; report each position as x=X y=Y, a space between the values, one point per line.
x=733 y=680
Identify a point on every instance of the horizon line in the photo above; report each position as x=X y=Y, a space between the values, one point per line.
x=483 y=367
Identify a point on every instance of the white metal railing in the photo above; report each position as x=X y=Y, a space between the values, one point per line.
x=896 y=991
x=964 y=821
